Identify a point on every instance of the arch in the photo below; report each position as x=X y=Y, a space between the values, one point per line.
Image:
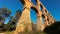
x=46 y=11
x=41 y=7
x=43 y=17
x=33 y=14
x=47 y=19
x=35 y=9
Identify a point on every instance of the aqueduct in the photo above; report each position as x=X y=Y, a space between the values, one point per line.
x=25 y=21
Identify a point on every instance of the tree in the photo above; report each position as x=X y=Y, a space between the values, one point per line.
x=4 y=13
x=18 y=14
x=11 y=25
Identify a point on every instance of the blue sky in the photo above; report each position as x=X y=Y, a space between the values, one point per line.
x=53 y=7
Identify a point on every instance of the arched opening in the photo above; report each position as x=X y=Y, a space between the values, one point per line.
x=41 y=7
x=48 y=21
x=43 y=19
x=46 y=11
x=33 y=14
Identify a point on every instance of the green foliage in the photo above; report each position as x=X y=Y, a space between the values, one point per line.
x=11 y=25
x=31 y=32
x=18 y=14
x=8 y=32
x=35 y=32
x=4 y=13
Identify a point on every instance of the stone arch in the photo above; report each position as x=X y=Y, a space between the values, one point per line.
x=35 y=11
x=39 y=24
x=46 y=11
x=45 y=23
x=41 y=7
x=25 y=17
x=48 y=21
x=32 y=7
x=43 y=17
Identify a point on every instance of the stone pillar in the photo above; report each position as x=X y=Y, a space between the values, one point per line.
x=38 y=4
x=24 y=22
x=39 y=26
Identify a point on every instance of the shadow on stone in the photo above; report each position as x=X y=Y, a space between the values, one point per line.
x=53 y=29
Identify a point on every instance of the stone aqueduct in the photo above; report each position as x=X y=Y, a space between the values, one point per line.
x=25 y=21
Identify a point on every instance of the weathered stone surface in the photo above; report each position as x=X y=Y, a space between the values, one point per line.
x=24 y=21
